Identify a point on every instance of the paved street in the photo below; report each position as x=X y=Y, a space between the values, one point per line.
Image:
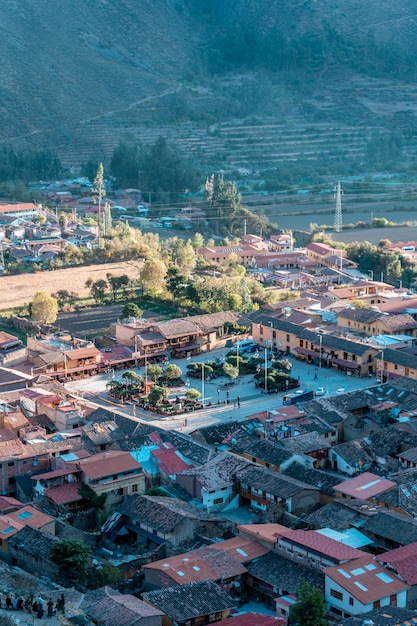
x=253 y=399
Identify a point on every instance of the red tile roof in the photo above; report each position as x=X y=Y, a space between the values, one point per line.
x=244 y=550
x=27 y=516
x=210 y=563
x=6 y=502
x=366 y=580
x=64 y=494
x=263 y=532
x=403 y=560
x=320 y=543
x=107 y=463
x=169 y=461
x=365 y=486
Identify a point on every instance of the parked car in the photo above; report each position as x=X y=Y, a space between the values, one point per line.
x=321 y=391
x=341 y=390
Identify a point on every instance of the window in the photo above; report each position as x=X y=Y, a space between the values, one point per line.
x=377 y=604
x=120 y=491
x=351 y=601
x=134 y=488
x=336 y=594
x=218 y=501
x=288 y=339
x=11 y=464
x=393 y=599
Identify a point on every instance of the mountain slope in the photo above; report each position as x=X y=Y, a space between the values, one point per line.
x=80 y=76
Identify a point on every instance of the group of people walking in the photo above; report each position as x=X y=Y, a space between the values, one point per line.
x=35 y=606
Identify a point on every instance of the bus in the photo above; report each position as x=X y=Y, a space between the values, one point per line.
x=302 y=395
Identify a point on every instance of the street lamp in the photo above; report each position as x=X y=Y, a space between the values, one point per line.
x=237 y=357
x=321 y=345
x=266 y=368
x=202 y=384
x=382 y=364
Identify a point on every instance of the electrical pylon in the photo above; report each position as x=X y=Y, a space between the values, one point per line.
x=338 y=212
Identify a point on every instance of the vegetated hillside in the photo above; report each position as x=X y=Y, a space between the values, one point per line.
x=235 y=83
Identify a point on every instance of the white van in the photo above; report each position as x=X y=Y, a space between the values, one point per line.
x=245 y=343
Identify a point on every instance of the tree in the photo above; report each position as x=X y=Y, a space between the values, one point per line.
x=65 y=297
x=92 y=500
x=107 y=222
x=230 y=370
x=154 y=372
x=310 y=609
x=44 y=308
x=125 y=164
x=223 y=201
x=156 y=395
x=172 y=372
x=164 y=171
x=131 y=310
x=184 y=255
x=152 y=276
x=63 y=221
x=132 y=379
x=198 y=240
x=99 y=290
x=98 y=192
x=71 y=555
x=193 y=394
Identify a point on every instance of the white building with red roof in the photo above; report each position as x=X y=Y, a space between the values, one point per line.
x=362 y=586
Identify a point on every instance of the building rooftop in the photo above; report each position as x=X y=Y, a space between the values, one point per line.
x=322 y=544
x=104 y=464
x=189 y=601
x=277 y=571
x=365 y=486
x=366 y=580
x=403 y=560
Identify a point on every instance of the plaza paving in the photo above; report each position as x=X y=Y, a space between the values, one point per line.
x=220 y=406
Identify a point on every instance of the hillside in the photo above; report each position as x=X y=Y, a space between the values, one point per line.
x=239 y=84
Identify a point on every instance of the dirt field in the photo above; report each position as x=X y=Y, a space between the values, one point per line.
x=19 y=290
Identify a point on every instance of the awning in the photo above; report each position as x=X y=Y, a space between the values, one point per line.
x=344 y=363
x=306 y=352
x=150 y=355
x=192 y=346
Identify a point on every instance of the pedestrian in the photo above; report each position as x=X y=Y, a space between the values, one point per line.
x=238 y=402
x=39 y=611
x=8 y=603
x=14 y=604
x=315 y=376
x=50 y=606
x=20 y=604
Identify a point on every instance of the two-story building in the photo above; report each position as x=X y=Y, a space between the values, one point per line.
x=369 y=322
x=362 y=586
x=114 y=473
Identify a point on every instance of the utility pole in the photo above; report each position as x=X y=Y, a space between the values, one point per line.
x=338 y=212
x=244 y=227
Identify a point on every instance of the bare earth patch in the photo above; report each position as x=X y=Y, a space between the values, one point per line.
x=19 y=290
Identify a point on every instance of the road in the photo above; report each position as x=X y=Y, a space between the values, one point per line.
x=253 y=400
